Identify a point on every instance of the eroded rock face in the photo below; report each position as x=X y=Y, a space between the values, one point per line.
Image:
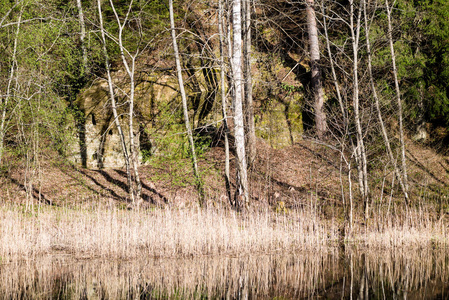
x=278 y=115
x=99 y=143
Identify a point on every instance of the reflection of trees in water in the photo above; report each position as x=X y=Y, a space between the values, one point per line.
x=400 y=274
x=354 y=274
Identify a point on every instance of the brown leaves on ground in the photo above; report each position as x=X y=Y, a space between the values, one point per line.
x=300 y=175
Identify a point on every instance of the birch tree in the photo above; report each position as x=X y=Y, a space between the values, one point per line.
x=344 y=131
x=362 y=168
x=351 y=132
x=353 y=66
x=242 y=193
x=318 y=92
x=82 y=33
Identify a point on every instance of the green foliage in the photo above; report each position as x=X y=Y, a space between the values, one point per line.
x=49 y=69
x=35 y=112
x=289 y=88
x=145 y=20
x=174 y=154
x=170 y=150
x=423 y=58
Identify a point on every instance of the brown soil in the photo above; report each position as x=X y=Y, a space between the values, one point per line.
x=303 y=174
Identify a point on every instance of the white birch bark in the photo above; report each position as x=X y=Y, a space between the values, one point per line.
x=345 y=123
x=334 y=75
x=5 y=16
x=82 y=33
x=228 y=31
x=318 y=92
x=239 y=131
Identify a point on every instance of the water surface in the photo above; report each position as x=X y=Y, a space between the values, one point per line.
x=350 y=274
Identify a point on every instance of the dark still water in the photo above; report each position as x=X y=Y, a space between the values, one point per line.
x=398 y=274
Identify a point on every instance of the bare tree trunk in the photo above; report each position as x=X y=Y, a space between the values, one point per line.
x=132 y=147
x=130 y=71
x=351 y=199
x=379 y=112
x=318 y=93
x=184 y=103
x=82 y=34
x=360 y=148
x=114 y=106
x=229 y=45
x=228 y=33
x=5 y=100
x=242 y=178
x=399 y=102
x=223 y=101
x=249 y=108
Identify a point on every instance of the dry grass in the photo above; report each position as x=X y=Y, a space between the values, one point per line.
x=112 y=232
x=413 y=228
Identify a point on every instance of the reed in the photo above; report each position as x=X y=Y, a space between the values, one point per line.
x=103 y=232
x=413 y=228
x=169 y=232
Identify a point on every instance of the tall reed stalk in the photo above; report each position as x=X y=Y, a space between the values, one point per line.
x=112 y=232
x=168 y=232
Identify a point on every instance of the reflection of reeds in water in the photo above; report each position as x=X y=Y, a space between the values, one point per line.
x=243 y=277
x=303 y=275
x=398 y=274
x=159 y=233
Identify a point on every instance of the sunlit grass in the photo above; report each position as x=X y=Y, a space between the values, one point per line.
x=410 y=228
x=169 y=232
x=103 y=232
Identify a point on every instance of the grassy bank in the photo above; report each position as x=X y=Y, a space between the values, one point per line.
x=169 y=232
